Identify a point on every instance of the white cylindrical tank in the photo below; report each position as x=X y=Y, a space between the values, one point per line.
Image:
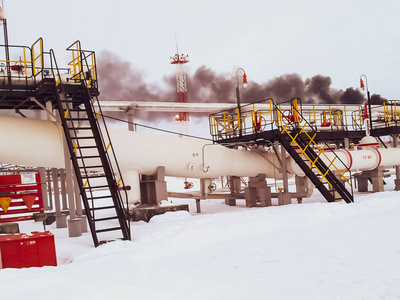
x=355 y=160
x=31 y=142
x=185 y=156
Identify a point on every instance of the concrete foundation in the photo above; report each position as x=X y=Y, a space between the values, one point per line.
x=235 y=187
x=61 y=221
x=75 y=227
x=284 y=198
x=258 y=192
x=84 y=223
x=153 y=188
x=375 y=177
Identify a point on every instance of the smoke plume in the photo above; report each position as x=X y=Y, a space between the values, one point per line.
x=119 y=80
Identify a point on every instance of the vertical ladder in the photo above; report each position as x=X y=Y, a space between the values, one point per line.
x=292 y=136
x=93 y=158
x=7 y=51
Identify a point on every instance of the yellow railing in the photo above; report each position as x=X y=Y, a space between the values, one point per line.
x=37 y=57
x=83 y=64
x=321 y=151
x=263 y=116
x=76 y=62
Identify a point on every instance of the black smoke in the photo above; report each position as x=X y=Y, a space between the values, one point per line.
x=119 y=80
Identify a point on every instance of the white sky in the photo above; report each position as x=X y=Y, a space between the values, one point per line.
x=341 y=39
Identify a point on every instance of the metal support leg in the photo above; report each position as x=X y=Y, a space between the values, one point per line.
x=61 y=220
x=43 y=178
x=395 y=138
x=198 y=208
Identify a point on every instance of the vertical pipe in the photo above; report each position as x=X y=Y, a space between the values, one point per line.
x=42 y=172
x=60 y=219
x=49 y=189
x=70 y=189
x=130 y=122
x=63 y=190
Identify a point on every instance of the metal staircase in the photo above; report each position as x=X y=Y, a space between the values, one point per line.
x=90 y=147
x=297 y=136
x=314 y=167
x=268 y=123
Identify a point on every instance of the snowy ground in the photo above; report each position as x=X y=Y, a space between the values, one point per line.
x=315 y=250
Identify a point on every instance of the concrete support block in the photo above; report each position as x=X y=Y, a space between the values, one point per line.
x=75 y=227
x=61 y=221
x=284 y=198
x=230 y=202
x=397 y=184
x=84 y=223
x=250 y=195
x=362 y=184
x=377 y=184
x=264 y=195
x=153 y=188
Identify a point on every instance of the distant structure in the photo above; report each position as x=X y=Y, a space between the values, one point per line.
x=179 y=60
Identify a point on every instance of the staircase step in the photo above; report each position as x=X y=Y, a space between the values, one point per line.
x=81 y=128
x=94 y=176
x=78 y=119
x=102 y=208
x=87 y=156
x=100 y=197
x=108 y=229
x=87 y=147
x=82 y=137
x=105 y=219
x=96 y=187
x=91 y=167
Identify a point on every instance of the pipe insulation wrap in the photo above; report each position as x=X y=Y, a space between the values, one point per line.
x=31 y=142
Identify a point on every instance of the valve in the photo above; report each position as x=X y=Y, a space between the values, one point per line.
x=188 y=185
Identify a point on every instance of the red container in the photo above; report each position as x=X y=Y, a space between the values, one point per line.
x=27 y=250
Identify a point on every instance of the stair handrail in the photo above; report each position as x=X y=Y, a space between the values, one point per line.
x=84 y=80
x=313 y=133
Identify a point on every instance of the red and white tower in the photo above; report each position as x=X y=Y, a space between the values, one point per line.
x=179 y=60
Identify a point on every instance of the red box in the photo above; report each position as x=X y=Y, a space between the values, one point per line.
x=36 y=249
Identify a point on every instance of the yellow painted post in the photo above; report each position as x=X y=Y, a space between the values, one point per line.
x=33 y=61
x=26 y=71
x=395 y=112
x=41 y=54
x=315 y=117
x=345 y=115
x=93 y=68
x=238 y=119
x=254 y=117
x=225 y=125
x=385 y=112
x=270 y=111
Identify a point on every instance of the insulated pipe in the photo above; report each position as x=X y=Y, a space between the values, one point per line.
x=40 y=143
x=31 y=142
x=355 y=160
x=186 y=157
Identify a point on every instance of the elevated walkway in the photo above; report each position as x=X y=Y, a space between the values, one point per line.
x=35 y=81
x=295 y=134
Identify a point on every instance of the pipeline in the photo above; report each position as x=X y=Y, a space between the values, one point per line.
x=39 y=143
